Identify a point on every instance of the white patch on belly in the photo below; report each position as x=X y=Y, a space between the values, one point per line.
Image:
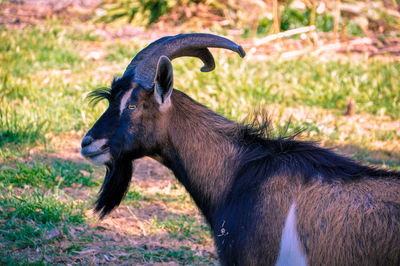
x=124 y=100
x=291 y=252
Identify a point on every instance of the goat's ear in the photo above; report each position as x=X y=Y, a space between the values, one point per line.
x=164 y=79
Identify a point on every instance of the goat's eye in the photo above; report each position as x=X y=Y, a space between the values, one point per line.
x=132 y=107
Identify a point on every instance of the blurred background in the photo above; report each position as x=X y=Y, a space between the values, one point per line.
x=329 y=67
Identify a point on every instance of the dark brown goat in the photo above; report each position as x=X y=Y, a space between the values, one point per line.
x=267 y=201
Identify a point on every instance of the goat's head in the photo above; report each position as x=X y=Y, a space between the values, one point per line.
x=134 y=125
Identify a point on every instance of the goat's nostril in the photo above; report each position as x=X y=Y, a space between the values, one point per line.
x=86 y=141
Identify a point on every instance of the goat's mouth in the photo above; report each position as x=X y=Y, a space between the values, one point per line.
x=91 y=154
x=99 y=157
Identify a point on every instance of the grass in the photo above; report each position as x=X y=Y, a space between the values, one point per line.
x=118 y=52
x=34 y=102
x=23 y=129
x=37 y=211
x=31 y=216
x=294 y=18
x=183 y=255
x=31 y=49
x=57 y=174
x=39 y=208
x=45 y=76
x=134 y=196
x=183 y=227
x=238 y=85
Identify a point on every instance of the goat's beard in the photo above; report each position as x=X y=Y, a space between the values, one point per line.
x=115 y=185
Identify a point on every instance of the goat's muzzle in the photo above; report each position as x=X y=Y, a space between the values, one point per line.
x=95 y=150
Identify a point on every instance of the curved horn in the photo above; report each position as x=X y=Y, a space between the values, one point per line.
x=194 y=45
x=143 y=53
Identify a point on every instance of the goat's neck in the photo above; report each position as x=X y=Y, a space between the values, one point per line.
x=201 y=156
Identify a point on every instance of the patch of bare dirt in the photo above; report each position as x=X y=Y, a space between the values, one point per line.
x=26 y=12
x=355 y=48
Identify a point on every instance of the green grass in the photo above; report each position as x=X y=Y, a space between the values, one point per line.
x=166 y=198
x=39 y=208
x=34 y=205
x=31 y=215
x=134 y=196
x=183 y=227
x=58 y=174
x=118 y=52
x=25 y=114
x=387 y=134
x=18 y=128
x=34 y=100
x=85 y=35
x=36 y=48
x=237 y=86
x=295 y=18
x=183 y=255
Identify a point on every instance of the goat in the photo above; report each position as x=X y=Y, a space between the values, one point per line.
x=267 y=200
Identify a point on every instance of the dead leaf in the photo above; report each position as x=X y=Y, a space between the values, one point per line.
x=53 y=233
x=87 y=251
x=84 y=173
